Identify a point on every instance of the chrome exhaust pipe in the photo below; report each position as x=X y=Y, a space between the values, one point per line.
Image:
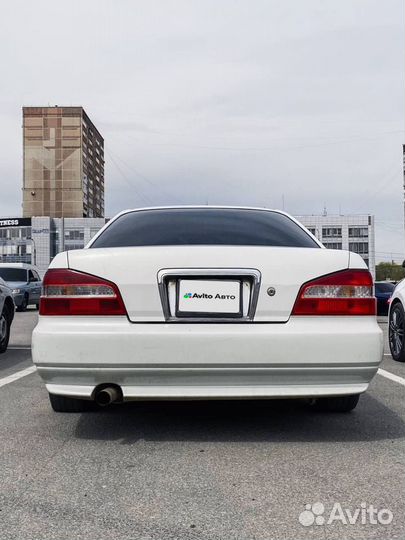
x=107 y=395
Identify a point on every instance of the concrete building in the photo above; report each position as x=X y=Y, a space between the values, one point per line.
x=37 y=240
x=63 y=163
x=352 y=232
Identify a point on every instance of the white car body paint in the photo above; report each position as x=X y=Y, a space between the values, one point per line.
x=151 y=356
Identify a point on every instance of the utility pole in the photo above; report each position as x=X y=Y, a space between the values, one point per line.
x=403 y=161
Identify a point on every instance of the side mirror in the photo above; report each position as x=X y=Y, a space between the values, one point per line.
x=403 y=264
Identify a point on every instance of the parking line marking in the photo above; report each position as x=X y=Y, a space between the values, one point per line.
x=16 y=376
x=390 y=376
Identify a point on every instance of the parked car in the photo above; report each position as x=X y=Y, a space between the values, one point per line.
x=206 y=303
x=396 y=322
x=383 y=293
x=24 y=282
x=7 y=310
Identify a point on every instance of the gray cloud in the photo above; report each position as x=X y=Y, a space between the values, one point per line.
x=225 y=102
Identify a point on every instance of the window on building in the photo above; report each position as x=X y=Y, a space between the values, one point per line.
x=55 y=247
x=26 y=233
x=312 y=230
x=358 y=232
x=74 y=234
x=70 y=247
x=333 y=245
x=359 y=247
x=332 y=232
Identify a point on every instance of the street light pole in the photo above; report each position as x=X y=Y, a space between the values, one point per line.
x=34 y=252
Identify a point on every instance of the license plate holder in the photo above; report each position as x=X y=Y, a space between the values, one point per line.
x=209 y=298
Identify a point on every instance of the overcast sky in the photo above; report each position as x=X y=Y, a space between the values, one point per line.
x=226 y=102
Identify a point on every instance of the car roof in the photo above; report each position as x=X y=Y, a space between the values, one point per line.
x=202 y=206
x=25 y=266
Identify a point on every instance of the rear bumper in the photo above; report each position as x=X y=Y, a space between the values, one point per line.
x=305 y=357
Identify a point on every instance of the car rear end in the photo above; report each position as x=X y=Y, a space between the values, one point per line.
x=383 y=293
x=200 y=303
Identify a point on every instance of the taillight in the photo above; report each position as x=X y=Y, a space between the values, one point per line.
x=67 y=292
x=349 y=292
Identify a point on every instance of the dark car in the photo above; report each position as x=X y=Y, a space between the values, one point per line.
x=383 y=293
x=7 y=308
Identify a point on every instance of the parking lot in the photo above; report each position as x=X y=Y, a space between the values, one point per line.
x=223 y=470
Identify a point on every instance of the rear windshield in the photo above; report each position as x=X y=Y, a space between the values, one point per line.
x=384 y=287
x=13 y=274
x=204 y=226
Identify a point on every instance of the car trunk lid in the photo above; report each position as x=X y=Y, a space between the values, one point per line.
x=276 y=274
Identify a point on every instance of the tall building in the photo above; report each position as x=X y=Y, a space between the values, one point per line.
x=351 y=232
x=63 y=163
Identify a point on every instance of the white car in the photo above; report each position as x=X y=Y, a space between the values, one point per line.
x=206 y=303
x=7 y=310
x=396 y=319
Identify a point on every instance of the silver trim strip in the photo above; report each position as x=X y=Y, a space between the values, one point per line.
x=204 y=367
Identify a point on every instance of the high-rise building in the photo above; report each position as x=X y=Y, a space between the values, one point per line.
x=63 y=163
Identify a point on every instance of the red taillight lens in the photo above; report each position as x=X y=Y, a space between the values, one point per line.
x=67 y=292
x=349 y=292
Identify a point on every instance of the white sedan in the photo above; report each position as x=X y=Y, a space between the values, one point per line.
x=206 y=303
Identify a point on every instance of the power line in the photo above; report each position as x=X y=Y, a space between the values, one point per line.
x=143 y=177
x=380 y=187
x=128 y=181
x=262 y=148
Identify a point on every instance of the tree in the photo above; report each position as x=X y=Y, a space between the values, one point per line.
x=389 y=271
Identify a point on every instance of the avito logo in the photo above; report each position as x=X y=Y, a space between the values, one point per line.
x=210 y=296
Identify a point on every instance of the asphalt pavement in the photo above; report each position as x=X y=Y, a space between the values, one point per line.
x=207 y=470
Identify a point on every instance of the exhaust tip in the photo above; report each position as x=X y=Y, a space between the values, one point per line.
x=107 y=395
